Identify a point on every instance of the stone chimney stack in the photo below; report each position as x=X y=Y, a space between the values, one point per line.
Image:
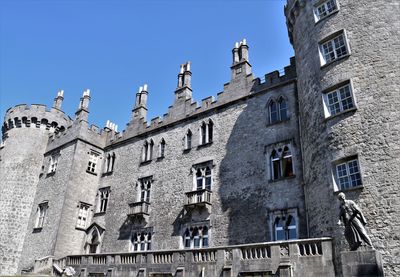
x=83 y=110
x=58 y=100
x=184 y=89
x=240 y=54
x=140 y=109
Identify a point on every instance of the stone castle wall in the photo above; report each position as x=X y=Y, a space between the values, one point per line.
x=243 y=194
x=25 y=135
x=371 y=131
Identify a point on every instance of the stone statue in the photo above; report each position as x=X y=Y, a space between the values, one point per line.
x=354 y=222
x=68 y=271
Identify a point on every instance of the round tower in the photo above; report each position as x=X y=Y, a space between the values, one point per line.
x=25 y=134
x=348 y=88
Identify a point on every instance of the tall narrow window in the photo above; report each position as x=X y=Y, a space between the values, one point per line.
x=203 y=177
x=273 y=112
x=103 y=196
x=203 y=133
x=147 y=151
x=287 y=164
x=41 y=214
x=145 y=188
x=333 y=49
x=206 y=132
x=53 y=163
x=94 y=242
x=276 y=165
x=188 y=140
x=282 y=109
x=110 y=160
x=93 y=158
x=281 y=163
x=161 y=149
x=83 y=215
x=210 y=129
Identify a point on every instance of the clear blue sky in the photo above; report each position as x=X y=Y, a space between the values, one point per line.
x=113 y=47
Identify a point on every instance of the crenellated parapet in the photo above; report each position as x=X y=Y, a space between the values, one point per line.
x=240 y=87
x=39 y=116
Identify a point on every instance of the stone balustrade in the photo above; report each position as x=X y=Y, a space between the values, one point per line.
x=198 y=197
x=308 y=257
x=139 y=208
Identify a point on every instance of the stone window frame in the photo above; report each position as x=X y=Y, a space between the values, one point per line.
x=193 y=236
x=280 y=117
x=53 y=162
x=161 y=149
x=83 y=215
x=188 y=140
x=41 y=213
x=109 y=163
x=337 y=89
x=347 y=163
x=202 y=168
x=103 y=199
x=94 y=157
x=330 y=41
x=325 y=5
x=279 y=148
x=206 y=132
x=89 y=239
x=284 y=214
x=147 y=151
x=143 y=241
x=144 y=186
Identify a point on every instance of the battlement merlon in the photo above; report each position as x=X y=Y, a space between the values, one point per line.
x=233 y=91
x=36 y=116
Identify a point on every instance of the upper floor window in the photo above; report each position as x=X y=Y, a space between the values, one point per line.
x=147 y=151
x=145 y=189
x=161 y=149
x=285 y=227
x=281 y=163
x=41 y=214
x=196 y=237
x=333 y=48
x=277 y=110
x=206 y=132
x=348 y=174
x=188 y=140
x=338 y=100
x=103 y=197
x=83 y=215
x=324 y=9
x=203 y=178
x=53 y=163
x=110 y=160
x=141 y=241
x=93 y=160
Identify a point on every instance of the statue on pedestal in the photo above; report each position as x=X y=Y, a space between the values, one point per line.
x=354 y=222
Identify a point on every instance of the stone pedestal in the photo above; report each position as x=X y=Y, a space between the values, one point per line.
x=362 y=263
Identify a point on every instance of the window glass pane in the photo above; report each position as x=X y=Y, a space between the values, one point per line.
x=287 y=167
x=205 y=241
x=196 y=242
x=283 y=110
x=273 y=112
x=276 y=169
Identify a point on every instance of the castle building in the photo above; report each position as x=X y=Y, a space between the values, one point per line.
x=242 y=185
